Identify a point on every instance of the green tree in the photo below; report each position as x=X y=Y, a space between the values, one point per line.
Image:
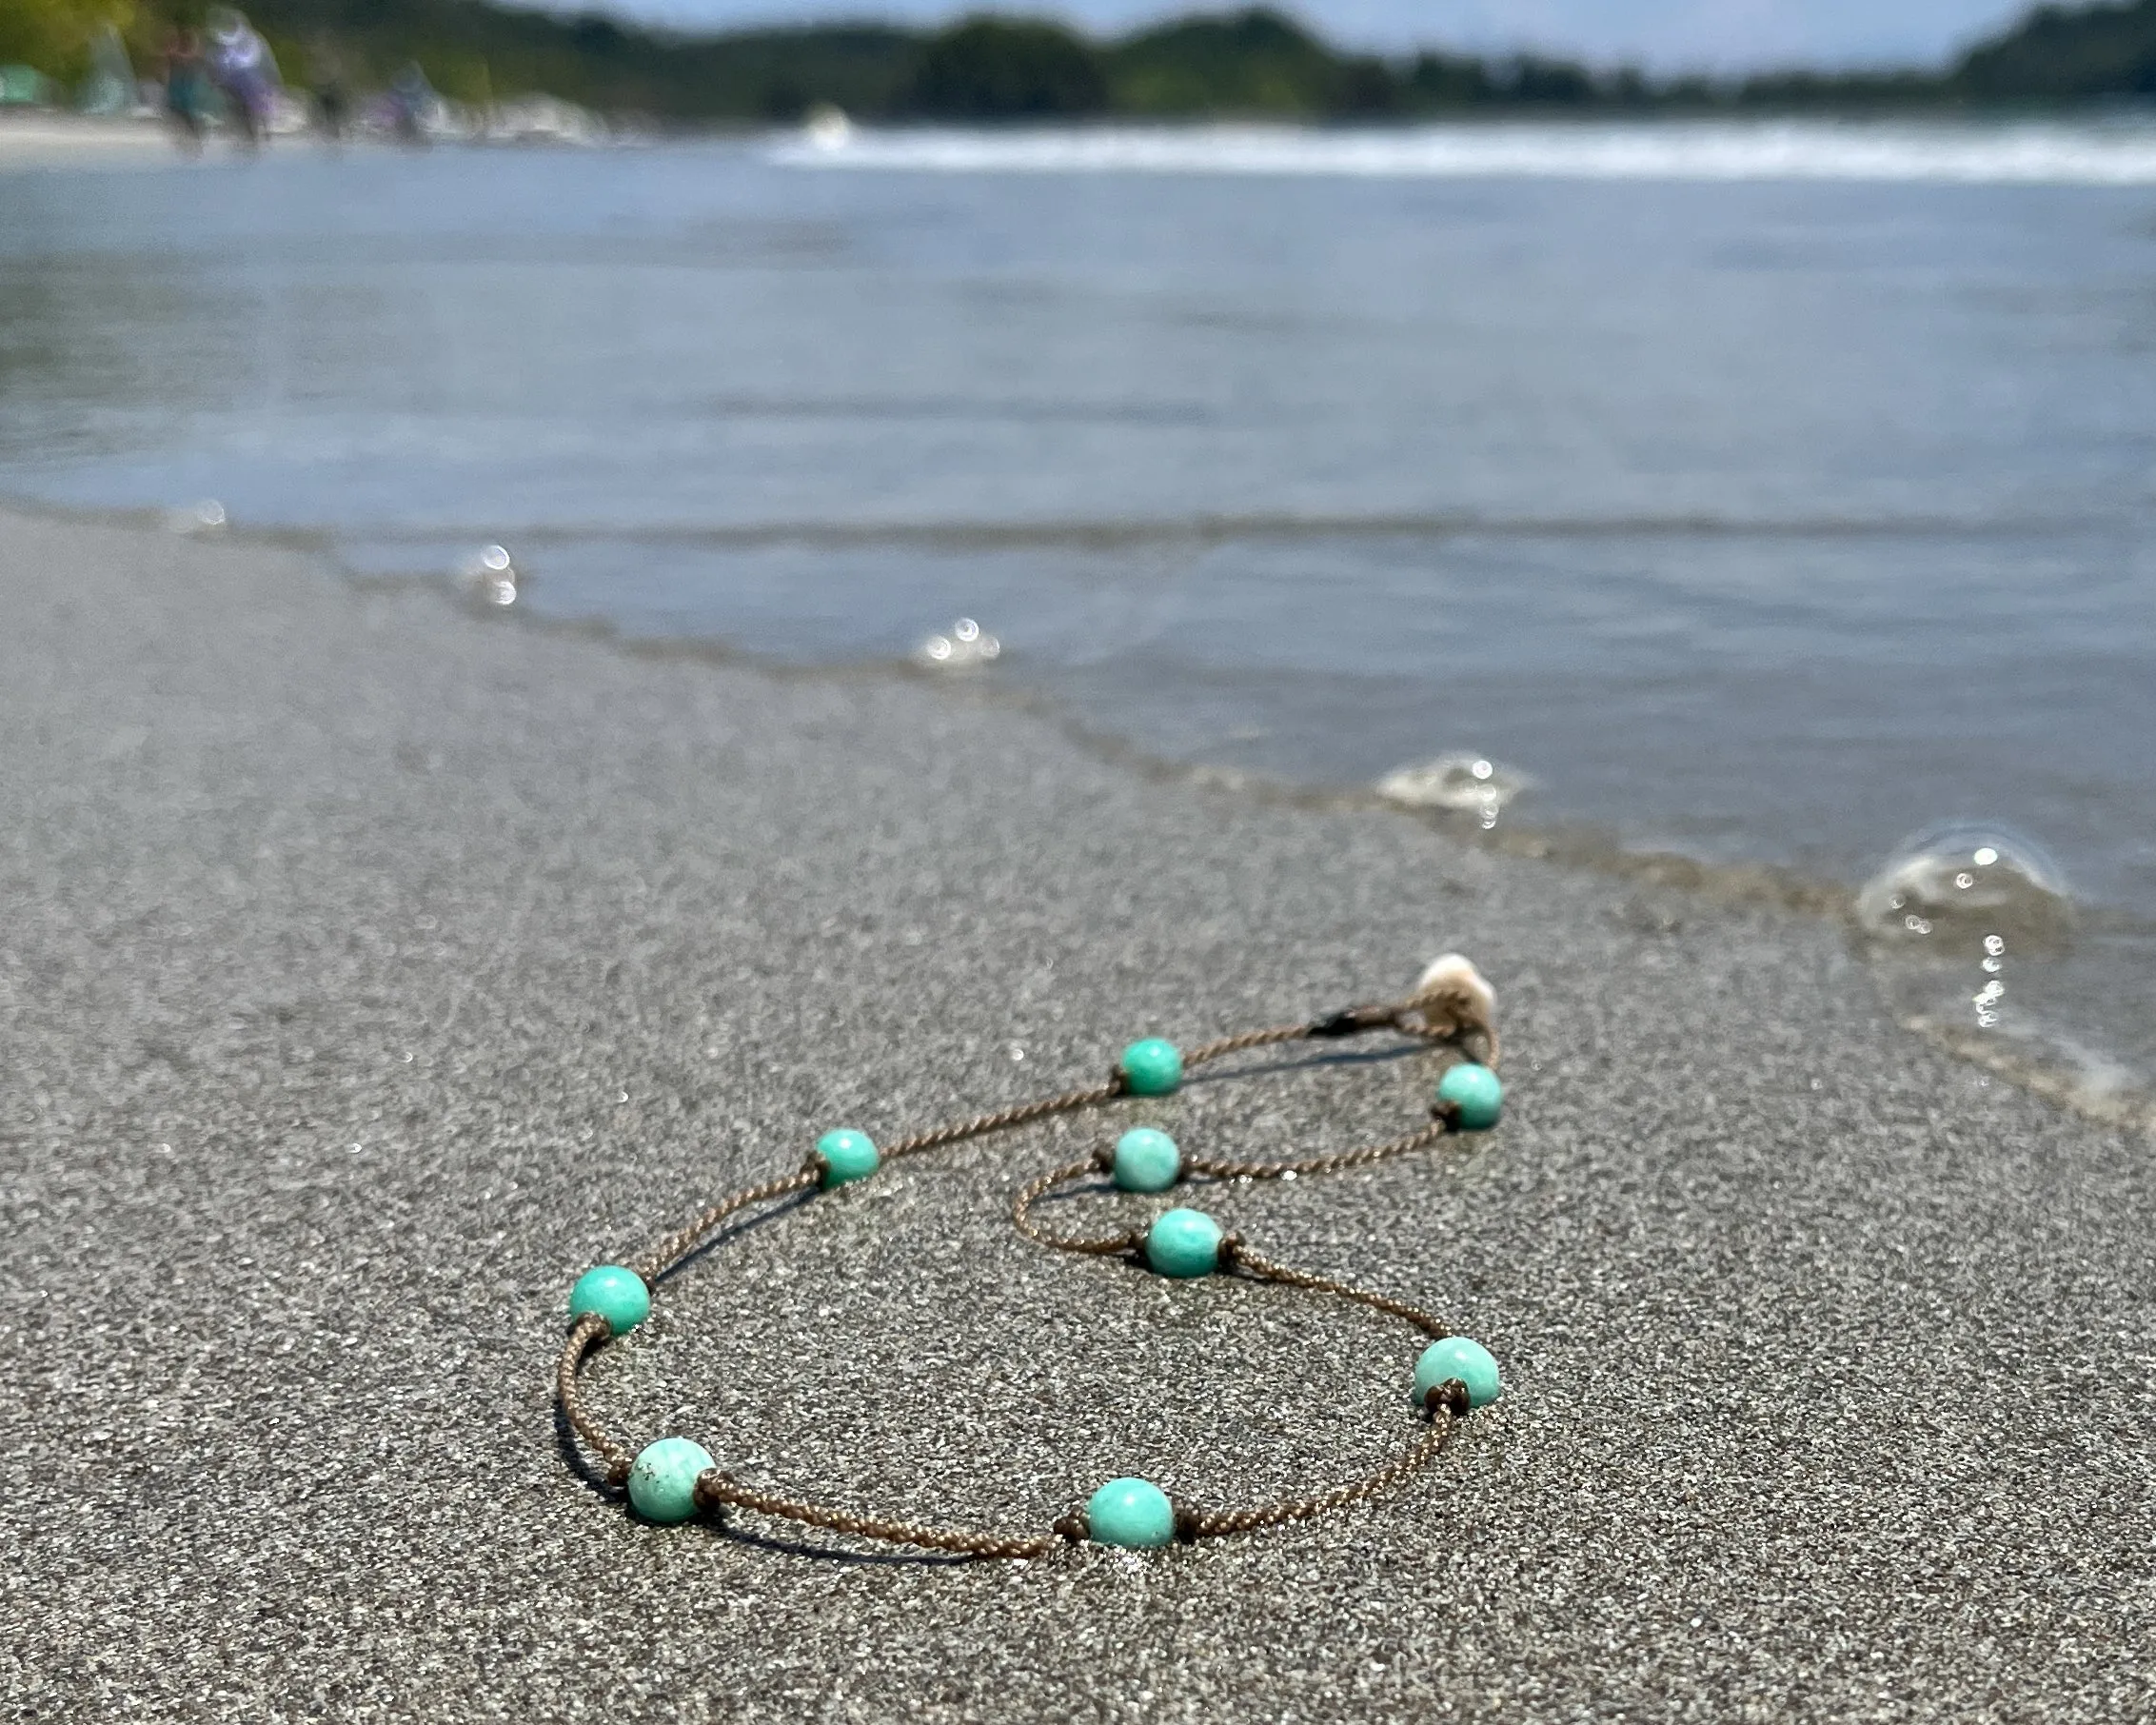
x=1254 y=62
x=54 y=35
x=2056 y=54
x=998 y=68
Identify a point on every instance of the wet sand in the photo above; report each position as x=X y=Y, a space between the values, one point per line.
x=372 y=968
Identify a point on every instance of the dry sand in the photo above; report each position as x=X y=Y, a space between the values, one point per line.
x=50 y=140
x=369 y=969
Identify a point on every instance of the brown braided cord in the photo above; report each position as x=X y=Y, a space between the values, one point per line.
x=713 y=1487
x=1248 y=1039
x=1003 y=1119
x=1420 y=1139
x=589 y=1329
x=1192 y=1523
x=1100 y=1245
x=1238 y=1256
x=678 y=1244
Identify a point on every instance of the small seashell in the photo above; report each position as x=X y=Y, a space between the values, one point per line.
x=1457 y=969
x=1455 y=1001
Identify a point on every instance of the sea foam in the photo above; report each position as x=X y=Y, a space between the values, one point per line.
x=2034 y=152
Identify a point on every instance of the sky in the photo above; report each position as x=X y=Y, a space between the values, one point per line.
x=1662 y=34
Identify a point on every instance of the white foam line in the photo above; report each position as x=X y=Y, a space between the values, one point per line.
x=2020 y=154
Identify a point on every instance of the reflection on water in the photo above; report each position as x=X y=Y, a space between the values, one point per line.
x=1757 y=520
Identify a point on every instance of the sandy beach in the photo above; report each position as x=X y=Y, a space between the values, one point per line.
x=51 y=140
x=372 y=968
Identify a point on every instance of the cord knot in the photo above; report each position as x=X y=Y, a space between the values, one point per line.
x=1451 y=1396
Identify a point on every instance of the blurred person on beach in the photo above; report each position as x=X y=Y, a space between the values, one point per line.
x=244 y=70
x=332 y=87
x=411 y=103
x=187 y=87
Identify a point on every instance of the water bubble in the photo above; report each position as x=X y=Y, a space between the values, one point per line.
x=1967 y=881
x=488 y=577
x=965 y=644
x=205 y=517
x=1471 y=784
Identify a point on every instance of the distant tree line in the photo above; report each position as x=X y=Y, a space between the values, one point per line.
x=1258 y=64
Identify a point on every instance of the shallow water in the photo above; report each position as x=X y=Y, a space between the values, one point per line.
x=1760 y=492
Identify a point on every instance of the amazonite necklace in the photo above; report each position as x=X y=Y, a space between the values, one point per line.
x=1452 y=1009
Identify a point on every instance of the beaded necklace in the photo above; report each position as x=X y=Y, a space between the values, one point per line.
x=1451 y=1008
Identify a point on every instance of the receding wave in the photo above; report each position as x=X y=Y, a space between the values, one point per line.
x=2003 y=153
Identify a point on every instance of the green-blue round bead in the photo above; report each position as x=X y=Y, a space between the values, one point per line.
x=1132 y=1513
x=1476 y=1096
x=616 y=1294
x=1147 y=1160
x=662 y=1478
x=1184 y=1242
x=1456 y=1357
x=1151 y=1068
x=848 y=1155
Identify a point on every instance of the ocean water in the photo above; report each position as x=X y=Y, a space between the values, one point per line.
x=1760 y=494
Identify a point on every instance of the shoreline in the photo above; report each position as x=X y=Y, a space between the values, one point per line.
x=2042 y=1059
x=376 y=968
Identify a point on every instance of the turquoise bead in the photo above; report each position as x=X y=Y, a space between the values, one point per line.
x=1153 y=1067
x=847 y=1156
x=1184 y=1242
x=1476 y=1096
x=662 y=1478
x=1132 y=1513
x=1456 y=1357
x=617 y=1295
x=1147 y=1160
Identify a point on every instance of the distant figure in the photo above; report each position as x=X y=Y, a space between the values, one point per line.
x=240 y=63
x=187 y=87
x=411 y=104
x=333 y=89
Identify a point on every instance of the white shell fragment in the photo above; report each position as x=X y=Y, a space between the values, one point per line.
x=1455 y=971
x=1455 y=1000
